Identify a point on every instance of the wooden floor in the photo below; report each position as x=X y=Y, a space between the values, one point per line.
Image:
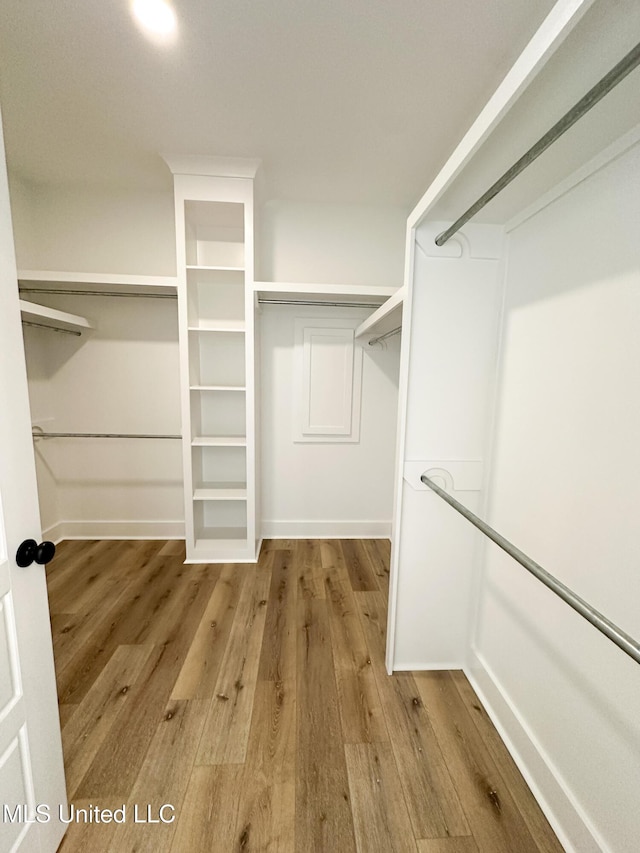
x=255 y=702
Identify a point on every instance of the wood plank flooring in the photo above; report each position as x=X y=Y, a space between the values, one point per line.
x=252 y=701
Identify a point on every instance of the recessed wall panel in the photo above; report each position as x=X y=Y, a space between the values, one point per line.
x=328 y=382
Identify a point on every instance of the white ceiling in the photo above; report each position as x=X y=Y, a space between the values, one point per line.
x=349 y=101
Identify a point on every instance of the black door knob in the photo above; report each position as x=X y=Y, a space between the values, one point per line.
x=30 y=551
x=45 y=552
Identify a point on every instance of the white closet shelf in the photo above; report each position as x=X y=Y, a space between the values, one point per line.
x=219 y=441
x=384 y=319
x=322 y=292
x=226 y=540
x=216 y=268
x=54 y=280
x=219 y=326
x=217 y=388
x=220 y=493
x=44 y=316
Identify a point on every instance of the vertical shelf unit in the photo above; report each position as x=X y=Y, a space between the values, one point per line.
x=214 y=236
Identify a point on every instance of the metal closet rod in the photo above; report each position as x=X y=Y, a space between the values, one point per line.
x=386 y=335
x=323 y=303
x=52 y=328
x=38 y=434
x=604 y=625
x=98 y=293
x=605 y=85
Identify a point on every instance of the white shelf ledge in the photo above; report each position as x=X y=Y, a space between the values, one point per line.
x=222 y=543
x=96 y=282
x=217 y=388
x=219 y=493
x=51 y=317
x=219 y=441
x=214 y=268
x=219 y=326
x=322 y=292
x=386 y=318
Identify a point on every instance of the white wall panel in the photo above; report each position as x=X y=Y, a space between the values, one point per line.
x=453 y=352
x=328 y=374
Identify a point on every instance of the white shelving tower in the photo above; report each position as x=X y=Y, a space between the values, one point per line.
x=214 y=238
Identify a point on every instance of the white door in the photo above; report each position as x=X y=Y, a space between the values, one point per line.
x=31 y=768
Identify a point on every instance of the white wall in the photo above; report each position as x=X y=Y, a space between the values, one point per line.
x=37 y=346
x=22 y=218
x=565 y=489
x=336 y=244
x=325 y=489
x=93 y=229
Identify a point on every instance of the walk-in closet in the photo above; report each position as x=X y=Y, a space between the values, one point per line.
x=333 y=384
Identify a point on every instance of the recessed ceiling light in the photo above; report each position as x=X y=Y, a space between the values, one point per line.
x=156 y=19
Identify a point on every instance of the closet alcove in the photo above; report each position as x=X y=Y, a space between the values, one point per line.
x=117 y=378
x=123 y=375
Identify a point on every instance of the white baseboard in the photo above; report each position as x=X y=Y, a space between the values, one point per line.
x=566 y=817
x=114 y=530
x=326 y=529
x=427 y=667
x=175 y=530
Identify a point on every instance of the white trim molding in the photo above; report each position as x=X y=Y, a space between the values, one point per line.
x=326 y=529
x=114 y=530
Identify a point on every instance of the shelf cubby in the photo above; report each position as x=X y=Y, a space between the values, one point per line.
x=214 y=296
x=219 y=413
x=217 y=520
x=214 y=234
x=219 y=467
x=216 y=358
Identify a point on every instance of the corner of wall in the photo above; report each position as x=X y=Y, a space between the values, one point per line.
x=565 y=816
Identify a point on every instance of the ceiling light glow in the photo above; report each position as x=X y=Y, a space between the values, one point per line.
x=156 y=18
